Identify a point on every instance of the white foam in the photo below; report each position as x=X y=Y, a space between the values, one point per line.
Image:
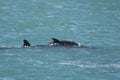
x=79 y=44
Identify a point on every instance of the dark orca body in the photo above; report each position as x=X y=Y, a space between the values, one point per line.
x=57 y=42
x=54 y=43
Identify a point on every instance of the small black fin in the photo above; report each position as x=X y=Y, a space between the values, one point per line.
x=57 y=41
x=26 y=43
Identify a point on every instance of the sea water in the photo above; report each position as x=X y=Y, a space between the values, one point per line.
x=93 y=23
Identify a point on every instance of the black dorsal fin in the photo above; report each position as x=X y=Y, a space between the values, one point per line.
x=26 y=43
x=56 y=40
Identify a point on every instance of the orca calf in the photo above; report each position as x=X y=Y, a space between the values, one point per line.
x=57 y=42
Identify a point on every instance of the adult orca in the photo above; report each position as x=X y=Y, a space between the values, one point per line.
x=25 y=44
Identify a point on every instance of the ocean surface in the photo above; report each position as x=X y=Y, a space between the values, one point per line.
x=93 y=23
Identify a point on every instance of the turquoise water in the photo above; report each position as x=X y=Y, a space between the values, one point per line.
x=91 y=22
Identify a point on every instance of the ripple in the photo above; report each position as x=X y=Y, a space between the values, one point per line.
x=58 y=6
x=6 y=78
x=90 y=65
x=31 y=61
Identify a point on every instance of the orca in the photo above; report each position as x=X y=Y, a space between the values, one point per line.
x=57 y=42
x=26 y=44
x=54 y=43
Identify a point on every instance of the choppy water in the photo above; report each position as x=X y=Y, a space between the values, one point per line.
x=91 y=22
